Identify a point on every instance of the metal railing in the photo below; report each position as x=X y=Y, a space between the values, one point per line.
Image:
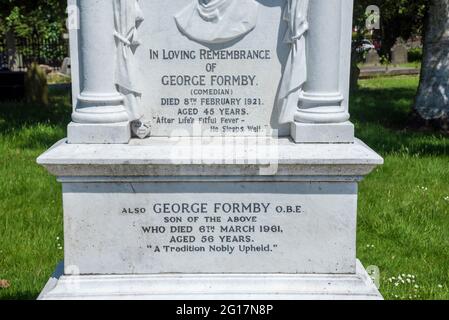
x=22 y=52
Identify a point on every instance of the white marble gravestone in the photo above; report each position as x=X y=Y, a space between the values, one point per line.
x=210 y=153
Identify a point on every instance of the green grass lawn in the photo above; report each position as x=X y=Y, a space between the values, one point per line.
x=403 y=214
x=30 y=199
x=403 y=225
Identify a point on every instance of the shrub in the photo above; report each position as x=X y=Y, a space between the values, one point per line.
x=415 y=55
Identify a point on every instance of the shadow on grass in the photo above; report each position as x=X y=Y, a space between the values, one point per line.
x=381 y=115
x=389 y=107
x=14 y=115
x=32 y=126
x=23 y=295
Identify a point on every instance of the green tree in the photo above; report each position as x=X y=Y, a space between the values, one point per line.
x=398 y=19
x=31 y=19
x=432 y=100
x=27 y=17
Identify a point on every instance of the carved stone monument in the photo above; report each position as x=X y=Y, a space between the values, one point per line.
x=210 y=153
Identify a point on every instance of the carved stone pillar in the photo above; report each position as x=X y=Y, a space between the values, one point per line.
x=323 y=115
x=100 y=115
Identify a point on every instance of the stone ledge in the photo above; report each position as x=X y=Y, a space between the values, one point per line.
x=169 y=157
x=356 y=286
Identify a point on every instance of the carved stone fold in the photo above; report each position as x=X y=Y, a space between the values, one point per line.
x=217 y=21
x=295 y=73
x=127 y=18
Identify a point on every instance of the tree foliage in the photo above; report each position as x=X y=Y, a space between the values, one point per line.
x=398 y=18
x=30 y=17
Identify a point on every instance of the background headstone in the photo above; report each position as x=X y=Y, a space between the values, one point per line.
x=11 y=51
x=399 y=54
x=372 y=58
x=66 y=67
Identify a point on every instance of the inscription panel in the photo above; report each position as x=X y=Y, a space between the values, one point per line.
x=204 y=228
x=216 y=86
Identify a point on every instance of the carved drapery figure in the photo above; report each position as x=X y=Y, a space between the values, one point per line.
x=295 y=74
x=127 y=17
x=217 y=21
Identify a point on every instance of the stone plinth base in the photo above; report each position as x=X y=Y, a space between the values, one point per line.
x=232 y=218
x=114 y=133
x=323 y=133
x=356 y=286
